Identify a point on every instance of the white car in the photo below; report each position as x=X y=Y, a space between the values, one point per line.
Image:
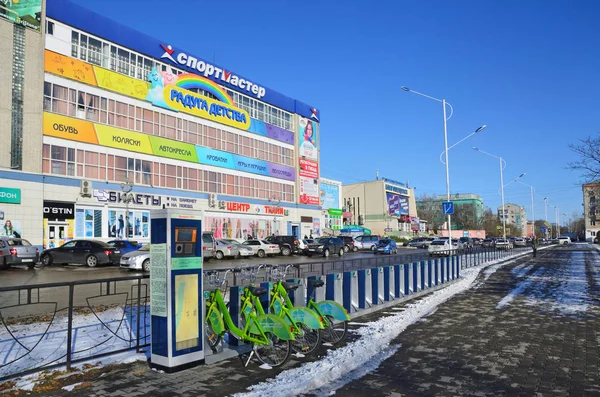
x=441 y=246
x=503 y=244
x=261 y=248
x=243 y=250
x=136 y=260
x=520 y=242
x=564 y=240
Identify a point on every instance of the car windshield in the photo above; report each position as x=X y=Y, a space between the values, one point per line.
x=438 y=242
x=385 y=242
x=463 y=239
x=145 y=248
x=321 y=240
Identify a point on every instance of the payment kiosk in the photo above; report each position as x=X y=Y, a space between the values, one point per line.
x=176 y=289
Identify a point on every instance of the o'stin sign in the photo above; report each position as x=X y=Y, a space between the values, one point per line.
x=10 y=196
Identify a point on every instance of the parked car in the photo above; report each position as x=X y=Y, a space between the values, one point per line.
x=503 y=244
x=288 y=245
x=465 y=243
x=419 y=242
x=477 y=241
x=520 y=242
x=386 y=246
x=366 y=242
x=226 y=249
x=84 y=252
x=488 y=242
x=243 y=250
x=18 y=251
x=442 y=246
x=326 y=246
x=348 y=243
x=125 y=246
x=262 y=248
x=209 y=246
x=564 y=240
x=137 y=260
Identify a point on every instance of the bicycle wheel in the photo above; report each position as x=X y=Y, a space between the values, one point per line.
x=335 y=331
x=276 y=353
x=211 y=337
x=307 y=339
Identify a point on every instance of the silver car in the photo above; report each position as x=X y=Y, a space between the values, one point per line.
x=226 y=249
x=137 y=260
x=18 y=251
x=262 y=248
x=243 y=250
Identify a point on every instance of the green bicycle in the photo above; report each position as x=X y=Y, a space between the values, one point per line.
x=332 y=315
x=303 y=322
x=269 y=335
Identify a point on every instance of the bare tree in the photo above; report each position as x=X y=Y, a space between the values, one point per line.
x=430 y=210
x=589 y=158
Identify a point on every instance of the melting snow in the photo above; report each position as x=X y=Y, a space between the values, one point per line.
x=363 y=355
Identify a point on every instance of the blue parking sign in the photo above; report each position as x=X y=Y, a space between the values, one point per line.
x=448 y=208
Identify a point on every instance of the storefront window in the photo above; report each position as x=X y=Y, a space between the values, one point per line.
x=139 y=224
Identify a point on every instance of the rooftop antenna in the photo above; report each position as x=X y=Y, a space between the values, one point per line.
x=377 y=174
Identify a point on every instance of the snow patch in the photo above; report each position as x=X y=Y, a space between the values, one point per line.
x=265 y=366
x=349 y=362
x=71 y=387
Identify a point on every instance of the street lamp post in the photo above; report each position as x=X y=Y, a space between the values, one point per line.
x=446 y=118
x=531 y=190
x=502 y=166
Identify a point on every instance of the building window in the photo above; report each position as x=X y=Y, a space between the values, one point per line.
x=50 y=27
x=105 y=54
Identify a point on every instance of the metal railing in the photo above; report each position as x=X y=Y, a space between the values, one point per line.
x=44 y=326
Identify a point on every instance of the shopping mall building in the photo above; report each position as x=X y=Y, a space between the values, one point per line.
x=104 y=123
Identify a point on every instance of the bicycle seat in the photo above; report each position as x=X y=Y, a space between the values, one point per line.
x=257 y=291
x=289 y=286
x=316 y=283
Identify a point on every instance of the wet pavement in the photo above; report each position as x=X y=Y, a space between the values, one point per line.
x=530 y=328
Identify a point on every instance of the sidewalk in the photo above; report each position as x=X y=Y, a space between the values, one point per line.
x=470 y=345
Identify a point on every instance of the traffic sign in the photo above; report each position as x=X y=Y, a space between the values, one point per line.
x=447 y=207
x=543 y=228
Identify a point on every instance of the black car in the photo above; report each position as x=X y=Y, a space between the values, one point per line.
x=348 y=243
x=83 y=252
x=326 y=246
x=287 y=244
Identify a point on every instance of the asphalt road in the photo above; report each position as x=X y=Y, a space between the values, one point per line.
x=20 y=275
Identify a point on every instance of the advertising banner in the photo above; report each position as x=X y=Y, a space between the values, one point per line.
x=316 y=226
x=330 y=195
x=22 y=12
x=415 y=223
x=167 y=90
x=309 y=191
x=11 y=228
x=397 y=205
x=307 y=135
x=99 y=134
x=309 y=168
x=240 y=227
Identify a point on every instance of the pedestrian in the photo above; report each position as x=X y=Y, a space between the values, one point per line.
x=305 y=237
x=534 y=246
x=121 y=226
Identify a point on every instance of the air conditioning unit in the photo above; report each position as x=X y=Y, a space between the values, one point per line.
x=212 y=200
x=86 y=188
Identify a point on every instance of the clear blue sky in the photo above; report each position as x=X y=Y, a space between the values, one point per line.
x=530 y=70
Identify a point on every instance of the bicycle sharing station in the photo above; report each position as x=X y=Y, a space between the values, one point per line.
x=272 y=313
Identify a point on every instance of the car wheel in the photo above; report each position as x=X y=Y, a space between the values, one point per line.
x=326 y=253
x=220 y=255
x=373 y=248
x=346 y=248
x=285 y=251
x=342 y=251
x=146 y=265
x=261 y=253
x=91 y=261
x=47 y=260
x=354 y=249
